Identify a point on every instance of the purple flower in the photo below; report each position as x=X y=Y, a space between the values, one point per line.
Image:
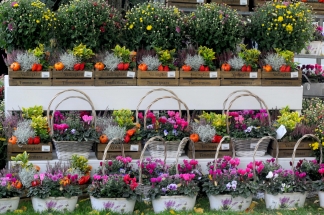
x=73 y=131
x=108 y=205
x=10 y=27
x=178 y=29
x=226 y=204
x=164 y=190
x=172 y=187
x=228 y=186
x=169 y=204
x=165 y=132
x=50 y=205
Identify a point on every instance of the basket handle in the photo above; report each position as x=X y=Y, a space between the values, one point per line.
x=51 y=119
x=299 y=141
x=217 y=150
x=237 y=91
x=114 y=140
x=256 y=149
x=239 y=96
x=148 y=93
x=167 y=97
x=159 y=138
x=183 y=141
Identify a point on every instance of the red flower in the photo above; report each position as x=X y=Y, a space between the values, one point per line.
x=102 y=29
x=127 y=178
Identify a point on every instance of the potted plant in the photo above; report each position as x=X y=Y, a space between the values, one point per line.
x=121 y=165
x=166 y=59
x=94 y=23
x=20 y=17
x=318 y=185
x=73 y=133
x=54 y=190
x=202 y=60
x=176 y=192
x=315 y=46
x=283 y=188
x=229 y=187
x=286 y=33
x=10 y=190
x=116 y=193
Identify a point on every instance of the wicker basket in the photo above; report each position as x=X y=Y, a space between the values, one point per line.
x=65 y=149
x=245 y=147
x=158 y=148
x=113 y=141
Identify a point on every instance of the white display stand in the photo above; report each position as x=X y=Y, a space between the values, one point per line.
x=118 y=97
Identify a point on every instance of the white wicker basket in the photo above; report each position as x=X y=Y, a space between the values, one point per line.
x=65 y=149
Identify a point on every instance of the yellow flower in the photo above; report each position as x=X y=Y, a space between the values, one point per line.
x=289 y=28
x=288 y=12
x=15 y=5
x=220 y=16
x=262 y=24
x=37 y=21
x=131 y=26
x=141 y=19
x=269 y=29
x=149 y=27
x=280 y=19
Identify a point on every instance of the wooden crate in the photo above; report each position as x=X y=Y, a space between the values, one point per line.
x=239 y=78
x=208 y=154
x=200 y=146
x=318 y=8
x=115 y=78
x=291 y=145
x=73 y=78
x=30 y=78
x=281 y=78
x=199 y=78
x=42 y=151
x=184 y=3
x=132 y=150
x=259 y=2
x=235 y=4
x=158 y=78
x=287 y=153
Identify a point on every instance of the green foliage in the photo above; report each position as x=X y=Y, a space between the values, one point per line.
x=82 y=52
x=288 y=119
x=218 y=121
x=216 y=26
x=23 y=160
x=25 y=24
x=154 y=25
x=165 y=56
x=208 y=55
x=31 y=112
x=124 y=118
x=250 y=56
x=283 y=25
x=122 y=53
x=94 y=23
x=80 y=162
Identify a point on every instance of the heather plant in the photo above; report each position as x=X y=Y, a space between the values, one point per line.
x=94 y=23
x=227 y=178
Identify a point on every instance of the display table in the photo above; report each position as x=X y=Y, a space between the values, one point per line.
x=118 y=97
x=95 y=163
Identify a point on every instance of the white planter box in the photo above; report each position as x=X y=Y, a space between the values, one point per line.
x=118 y=205
x=176 y=203
x=285 y=200
x=54 y=204
x=321 y=198
x=227 y=202
x=9 y=204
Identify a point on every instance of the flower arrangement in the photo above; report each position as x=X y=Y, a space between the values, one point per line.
x=113 y=186
x=94 y=23
x=173 y=185
x=154 y=25
x=250 y=124
x=250 y=57
x=152 y=168
x=318 y=33
x=281 y=61
x=55 y=182
x=229 y=179
x=318 y=184
x=120 y=59
x=283 y=25
x=218 y=20
x=10 y=185
x=169 y=125
x=218 y=121
x=121 y=165
x=25 y=17
x=314 y=73
x=73 y=126
x=79 y=166
x=188 y=167
x=166 y=59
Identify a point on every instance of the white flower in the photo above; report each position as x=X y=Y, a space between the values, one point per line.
x=275 y=176
x=234 y=183
x=270 y=175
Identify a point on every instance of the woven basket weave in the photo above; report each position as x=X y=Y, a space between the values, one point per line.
x=157 y=148
x=113 y=141
x=245 y=147
x=65 y=149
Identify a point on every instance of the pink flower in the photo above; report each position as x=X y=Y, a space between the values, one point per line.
x=140 y=115
x=163 y=119
x=96 y=177
x=35 y=176
x=171 y=113
x=41 y=176
x=87 y=118
x=250 y=175
x=241 y=171
x=193 y=162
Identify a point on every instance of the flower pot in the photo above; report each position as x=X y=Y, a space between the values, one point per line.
x=285 y=200
x=313 y=48
x=54 y=204
x=321 y=198
x=118 y=205
x=227 y=202
x=9 y=204
x=176 y=203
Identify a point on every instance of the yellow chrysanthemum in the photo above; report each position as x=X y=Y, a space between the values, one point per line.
x=280 y=19
x=289 y=28
x=149 y=27
x=37 y=21
x=131 y=26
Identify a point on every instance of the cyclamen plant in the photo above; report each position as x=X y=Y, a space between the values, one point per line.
x=121 y=165
x=113 y=186
x=169 y=125
x=227 y=178
x=10 y=186
x=319 y=184
x=188 y=167
x=152 y=168
x=173 y=185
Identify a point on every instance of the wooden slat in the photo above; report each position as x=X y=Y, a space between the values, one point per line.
x=208 y=154
x=34 y=156
x=200 y=146
x=115 y=82
x=287 y=153
x=158 y=74
x=113 y=155
x=30 y=82
x=42 y=147
x=113 y=74
x=158 y=82
x=73 y=82
x=117 y=147
x=199 y=82
x=73 y=74
x=291 y=145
